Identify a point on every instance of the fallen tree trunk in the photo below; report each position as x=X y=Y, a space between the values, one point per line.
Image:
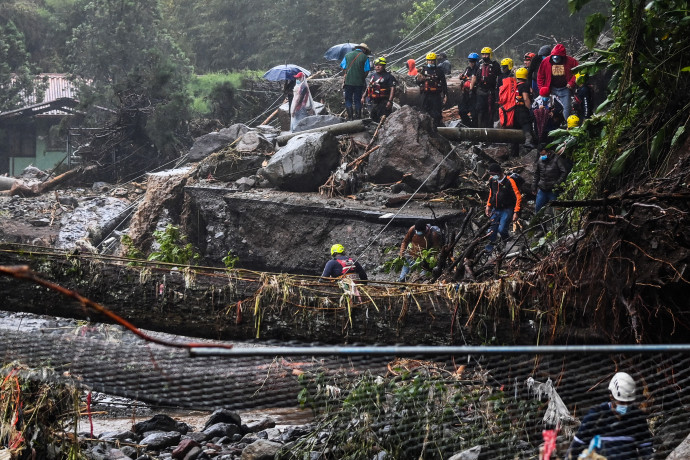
x=510 y=136
x=6 y=183
x=349 y=127
x=20 y=188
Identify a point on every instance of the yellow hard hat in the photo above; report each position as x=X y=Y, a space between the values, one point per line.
x=580 y=78
x=337 y=249
x=486 y=50
x=573 y=121
x=521 y=73
x=507 y=62
x=431 y=56
x=380 y=61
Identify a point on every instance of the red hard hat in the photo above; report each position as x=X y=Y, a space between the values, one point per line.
x=467 y=85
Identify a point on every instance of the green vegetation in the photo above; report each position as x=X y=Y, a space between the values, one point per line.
x=414 y=414
x=172 y=248
x=427 y=260
x=213 y=93
x=230 y=260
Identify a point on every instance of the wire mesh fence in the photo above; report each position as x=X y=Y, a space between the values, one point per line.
x=406 y=402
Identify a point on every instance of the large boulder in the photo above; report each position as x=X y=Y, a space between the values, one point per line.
x=235 y=131
x=91 y=222
x=255 y=142
x=207 y=144
x=408 y=144
x=316 y=121
x=261 y=449
x=304 y=164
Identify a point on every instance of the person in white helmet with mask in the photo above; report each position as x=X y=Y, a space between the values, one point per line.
x=620 y=426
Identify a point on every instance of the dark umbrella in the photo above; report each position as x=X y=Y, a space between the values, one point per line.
x=285 y=72
x=338 y=52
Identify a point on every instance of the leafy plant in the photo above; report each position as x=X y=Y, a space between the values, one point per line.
x=131 y=251
x=172 y=248
x=230 y=260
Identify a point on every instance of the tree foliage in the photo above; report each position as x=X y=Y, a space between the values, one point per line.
x=16 y=79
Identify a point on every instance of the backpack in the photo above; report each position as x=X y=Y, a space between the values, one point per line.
x=518 y=179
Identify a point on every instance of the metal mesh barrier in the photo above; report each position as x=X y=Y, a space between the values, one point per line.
x=410 y=402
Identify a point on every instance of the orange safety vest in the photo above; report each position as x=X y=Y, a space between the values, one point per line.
x=375 y=90
x=348 y=268
x=507 y=102
x=431 y=85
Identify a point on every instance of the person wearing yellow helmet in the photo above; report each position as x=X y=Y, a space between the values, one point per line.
x=485 y=82
x=506 y=71
x=433 y=89
x=357 y=67
x=583 y=97
x=380 y=90
x=343 y=266
x=523 y=103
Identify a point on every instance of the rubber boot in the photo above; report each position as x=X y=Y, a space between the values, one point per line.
x=349 y=113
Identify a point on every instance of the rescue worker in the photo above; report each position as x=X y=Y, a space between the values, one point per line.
x=485 y=83
x=621 y=427
x=467 y=106
x=556 y=73
x=419 y=237
x=503 y=205
x=444 y=64
x=433 y=89
x=342 y=266
x=527 y=59
x=506 y=71
x=583 y=97
x=380 y=90
x=551 y=171
x=533 y=68
x=357 y=67
x=523 y=103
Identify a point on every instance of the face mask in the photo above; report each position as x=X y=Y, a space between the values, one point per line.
x=556 y=59
x=543 y=157
x=486 y=59
x=495 y=177
x=622 y=410
x=545 y=100
x=419 y=233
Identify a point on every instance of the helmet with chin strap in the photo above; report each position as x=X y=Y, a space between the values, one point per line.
x=337 y=249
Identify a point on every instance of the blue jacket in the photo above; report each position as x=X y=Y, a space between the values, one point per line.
x=623 y=438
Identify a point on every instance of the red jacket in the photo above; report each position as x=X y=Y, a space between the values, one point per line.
x=544 y=74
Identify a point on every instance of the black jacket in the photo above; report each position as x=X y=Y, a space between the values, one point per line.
x=549 y=173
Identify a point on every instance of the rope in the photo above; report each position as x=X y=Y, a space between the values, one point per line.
x=406 y=203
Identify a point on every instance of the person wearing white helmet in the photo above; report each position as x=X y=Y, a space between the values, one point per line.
x=620 y=426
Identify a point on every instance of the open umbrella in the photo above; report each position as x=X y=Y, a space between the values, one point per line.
x=338 y=52
x=285 y=72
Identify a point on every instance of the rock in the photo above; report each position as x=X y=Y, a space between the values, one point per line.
x=160 y=440
x=161 y=422
x=68 y=201
x=163 y=192
x=245 y=183
x=207 y=144
x=32 y=172
x=193 y=453
x=316 y=121
x=223 y=416
x=682 y=451
x=235 y=131
x=40 y=222
x=253 y=141
x=292 y=433
x=184 y=447
x=261 y=450
x=304 y=164
x=229 y=165
x=116 y=435
x=218 y=430
x=129 y=451
x=101 y=187
x=260 y=425
x=409 y=145
x=94 y=219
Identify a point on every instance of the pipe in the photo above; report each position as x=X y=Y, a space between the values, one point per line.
x=509 y=136
x=347 y=127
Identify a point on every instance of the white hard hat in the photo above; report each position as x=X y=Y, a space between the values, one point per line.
x=622 y=387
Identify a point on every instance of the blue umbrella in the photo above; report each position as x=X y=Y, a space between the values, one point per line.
x=338 y=52
x=285 y=72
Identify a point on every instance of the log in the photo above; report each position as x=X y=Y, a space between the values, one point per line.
x=19 y=188
x=510 y=136
x=349 y=127
x=6 y=183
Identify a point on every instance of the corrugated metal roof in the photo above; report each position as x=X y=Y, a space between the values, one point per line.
x=58 y=87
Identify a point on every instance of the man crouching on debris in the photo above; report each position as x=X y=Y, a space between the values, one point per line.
x=342 y=266
x=419 y=237
x=503 y=205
